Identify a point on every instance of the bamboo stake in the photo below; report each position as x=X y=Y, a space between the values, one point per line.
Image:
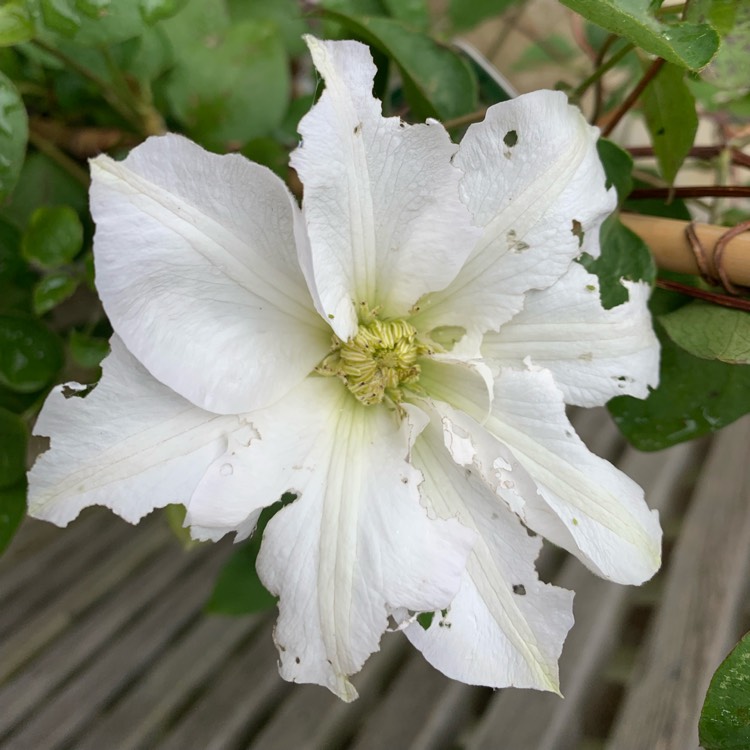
x=667 y=240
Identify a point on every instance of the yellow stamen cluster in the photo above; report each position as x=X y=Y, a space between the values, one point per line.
x=377 y=361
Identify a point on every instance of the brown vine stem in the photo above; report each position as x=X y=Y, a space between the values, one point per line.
x=698 y=152
x=458 y=122
x=60 y=158
x=692 y=191
x=736 y=303
x=633 y=96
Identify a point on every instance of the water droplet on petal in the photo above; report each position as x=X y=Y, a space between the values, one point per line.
x=226 y=470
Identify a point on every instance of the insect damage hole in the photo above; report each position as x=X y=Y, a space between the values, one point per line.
x=520 y=589
x=576 y=230
x=510 y=138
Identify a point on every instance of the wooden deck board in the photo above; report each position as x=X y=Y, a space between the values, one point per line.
x=698 y=619
x=599 y=607
x=62 y=717
x=117 y=655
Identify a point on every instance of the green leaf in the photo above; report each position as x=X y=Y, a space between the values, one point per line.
x=437 y=81
x=16 y=278
x=157 y=10
x=624 y=256
x=686 y=44
x=556 y=49
x=238 y=589
x=286 y=14
x=42 y=183
x=14 y=132
x=695 y=396
x=725 y=719
x=465 y=15
x=51 y=290
x=93 y=23
x=54 y=236
x=217 y=89
x=175 y=515
x=655 y=207
x=16 y=24
x=618 y=167
x=413 y=13
x=669 y=107
x=87 y=351
x=710 y=332
x=728 y=70
x=195 y=24
x=30 y=354
x=13 y=438
x=12 y=511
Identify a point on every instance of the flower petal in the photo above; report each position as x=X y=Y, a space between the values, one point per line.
x=504 y=627
x=355 y=546
x=583 y=504
x=131 y=444
x=593 y=353
x=381 y=202
x=534 y=182
x=196 y=266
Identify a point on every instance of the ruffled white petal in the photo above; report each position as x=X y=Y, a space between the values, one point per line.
x=533 y=181
x=355 y=546
x=196 y=265
x=381 y=200
x=505 y=627
x=593 y=353
x=581 y=502
x=131 y=444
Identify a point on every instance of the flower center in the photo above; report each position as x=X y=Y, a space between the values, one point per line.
x=377 y=361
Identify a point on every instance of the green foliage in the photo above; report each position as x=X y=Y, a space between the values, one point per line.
x=624 y=256
x=42 y=183
x=465 y=15
x=689 y=45
x=695 y=396
x=54 y=236
x=30 y=354
x=12 y=448
x=12 y=511
x=214 y=92
x=51 y=290
x=728 y=70
x=87 y=351
x=413 y=13
x=669 y=107
x=238 y=589
x=13 y=135
x=725 y=718
x=16 y=24
x=618 y=167
x=437 y=82
x=710 y=332
x=91 y=22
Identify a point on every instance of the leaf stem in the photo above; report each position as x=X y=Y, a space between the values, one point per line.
x=60 y=158
x=725 y=300
x=106 y=89
x=699 y=152
x=692 y=191
x=580 y=90
x=468 y=119
x=634 y=95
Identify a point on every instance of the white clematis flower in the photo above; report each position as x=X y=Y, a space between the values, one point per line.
x=398 y=353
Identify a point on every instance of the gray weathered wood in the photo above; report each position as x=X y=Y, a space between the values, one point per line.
x=314 y=719
x=98 y=578
x=599 y=608
x=62 y=717
x=168 y=685
x=237 y=703
x=82 y=640
x=701 y=604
